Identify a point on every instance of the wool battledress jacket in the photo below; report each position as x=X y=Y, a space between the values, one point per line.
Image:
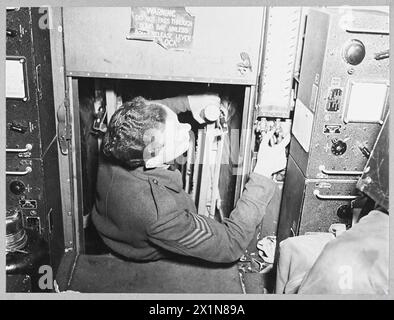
x=144 y=214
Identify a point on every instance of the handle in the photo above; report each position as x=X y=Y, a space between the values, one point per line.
x=382 y=55
x=332 y=197
x=27 y=148
x=49 y=219
x=19 y=173
x=39 y=82
x=340 y=173
x=367 y=31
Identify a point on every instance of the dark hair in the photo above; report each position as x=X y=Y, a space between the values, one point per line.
x=127 y=135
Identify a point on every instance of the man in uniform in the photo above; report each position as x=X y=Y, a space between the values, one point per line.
x=141 y=210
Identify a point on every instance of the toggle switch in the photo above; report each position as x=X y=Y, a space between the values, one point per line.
x=16 y=127
x=364 y=150
x=11 y=33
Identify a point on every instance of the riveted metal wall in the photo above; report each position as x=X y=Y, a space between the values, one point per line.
x=224 y=40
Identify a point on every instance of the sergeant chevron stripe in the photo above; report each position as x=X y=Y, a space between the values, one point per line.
x=200 y=234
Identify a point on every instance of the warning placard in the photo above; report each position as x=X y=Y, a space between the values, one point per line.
x=171 y=27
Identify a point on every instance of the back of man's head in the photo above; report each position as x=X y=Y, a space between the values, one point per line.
x=130 y=131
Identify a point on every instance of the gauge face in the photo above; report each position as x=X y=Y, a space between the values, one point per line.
x=354 y=52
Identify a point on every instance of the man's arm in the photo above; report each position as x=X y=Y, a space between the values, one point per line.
x=355 y=262
x=194 y=235
x=194 y=103
x=177 y=104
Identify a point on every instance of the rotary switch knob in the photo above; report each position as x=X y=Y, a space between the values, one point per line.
x=17 y=187
x=345 y=212
x=338 y=147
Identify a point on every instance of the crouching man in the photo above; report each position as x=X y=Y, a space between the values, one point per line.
x=141 y=211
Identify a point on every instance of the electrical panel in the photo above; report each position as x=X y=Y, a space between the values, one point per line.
x=343 y=91
x=341 y=102
x=32 y=174
x=312 y=205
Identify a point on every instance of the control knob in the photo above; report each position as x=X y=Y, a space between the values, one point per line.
x=354 y=52
x=17 y=187
x=338 y=147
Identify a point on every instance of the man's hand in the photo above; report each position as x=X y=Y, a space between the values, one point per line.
x=198 y=103
x=271 y=159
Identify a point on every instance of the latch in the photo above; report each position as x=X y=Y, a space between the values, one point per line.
x=63 y=128
x=245 y=65
x=99 y=125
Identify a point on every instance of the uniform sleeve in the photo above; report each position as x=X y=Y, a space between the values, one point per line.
x=177 y=104
x=195 y=235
